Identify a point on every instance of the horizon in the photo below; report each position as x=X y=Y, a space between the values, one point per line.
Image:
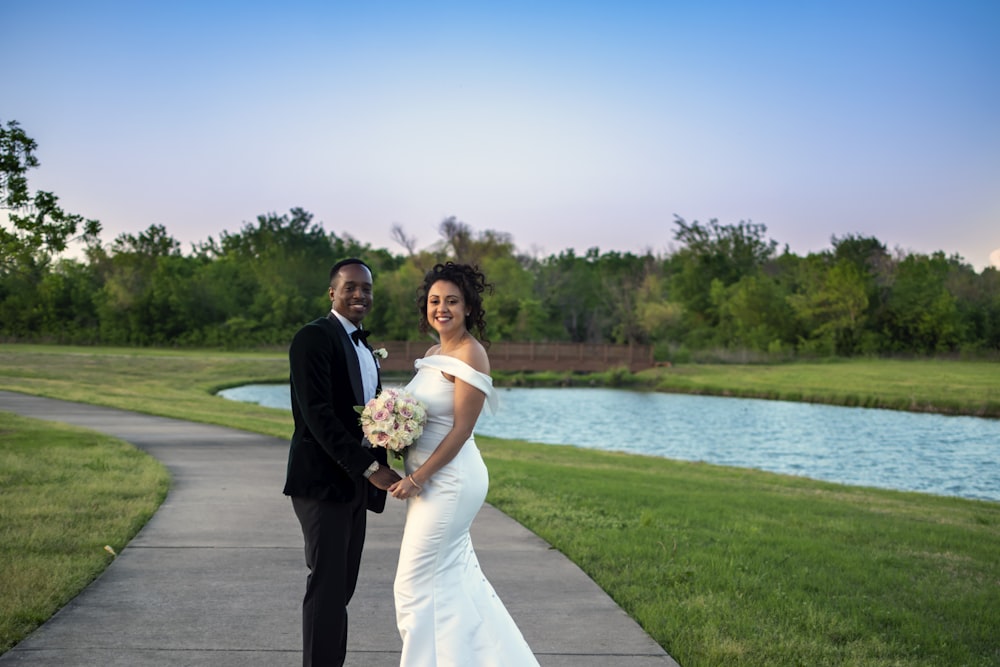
x=76 y=248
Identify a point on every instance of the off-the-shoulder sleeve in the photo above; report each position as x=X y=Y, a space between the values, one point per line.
x=467 y=373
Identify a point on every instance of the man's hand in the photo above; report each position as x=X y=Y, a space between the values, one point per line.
x=384 y=477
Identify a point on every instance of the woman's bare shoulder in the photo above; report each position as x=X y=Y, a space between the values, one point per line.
x=474 y=354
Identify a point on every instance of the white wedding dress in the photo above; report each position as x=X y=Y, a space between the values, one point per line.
x=446 y=611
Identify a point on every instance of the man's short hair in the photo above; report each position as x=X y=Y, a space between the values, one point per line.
x=345 y=262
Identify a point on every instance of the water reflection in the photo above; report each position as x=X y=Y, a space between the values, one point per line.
x=955 y=456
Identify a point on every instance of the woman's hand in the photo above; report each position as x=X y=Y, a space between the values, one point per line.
x=405 y=488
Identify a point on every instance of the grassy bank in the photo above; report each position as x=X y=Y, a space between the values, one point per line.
x=946 y=387
x=65 y=494
x=722 y=566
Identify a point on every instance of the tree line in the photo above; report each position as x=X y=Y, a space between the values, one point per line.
x=725 y=291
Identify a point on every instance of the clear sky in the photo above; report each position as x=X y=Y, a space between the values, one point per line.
x=564 y=124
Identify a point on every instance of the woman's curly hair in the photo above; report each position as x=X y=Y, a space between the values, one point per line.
x=472 y=283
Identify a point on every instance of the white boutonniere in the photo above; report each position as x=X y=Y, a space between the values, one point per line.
x=380 y=353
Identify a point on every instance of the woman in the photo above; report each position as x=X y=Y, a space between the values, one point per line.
x=446 y=611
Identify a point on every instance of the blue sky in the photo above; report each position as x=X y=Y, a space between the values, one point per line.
x=564 y=124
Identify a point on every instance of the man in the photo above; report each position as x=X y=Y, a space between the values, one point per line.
x=333 y=478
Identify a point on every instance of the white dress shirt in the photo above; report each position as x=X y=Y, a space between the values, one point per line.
x=369 y=371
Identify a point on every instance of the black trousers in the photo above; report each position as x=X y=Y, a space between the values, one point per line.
x=334 y=538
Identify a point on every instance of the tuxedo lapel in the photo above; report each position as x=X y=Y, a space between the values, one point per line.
x=351 y=358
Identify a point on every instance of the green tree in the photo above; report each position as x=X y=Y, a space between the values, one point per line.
x=659 y=318
x=144 y=279
x=36 y=230
x=923 y=315
x=753 y=314
x=977 y=297
x=569 y=287
x=284 y=265
x=395 y=314
x=833 y=304
x=463 y=245
x=37 y=227
x=66 y=307
x=512 y=311
x=713 y=252
x=875 y=266
x=622 y=278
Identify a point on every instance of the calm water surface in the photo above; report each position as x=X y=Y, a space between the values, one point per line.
x=953 y=456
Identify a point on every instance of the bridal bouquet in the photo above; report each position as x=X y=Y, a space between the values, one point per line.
x=393 y=420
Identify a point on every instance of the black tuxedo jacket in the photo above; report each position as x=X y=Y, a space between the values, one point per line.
x=326 y=458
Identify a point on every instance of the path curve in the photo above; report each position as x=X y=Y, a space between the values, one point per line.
x=216 y=576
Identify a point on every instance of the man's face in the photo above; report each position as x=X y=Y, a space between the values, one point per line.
x=351 y=292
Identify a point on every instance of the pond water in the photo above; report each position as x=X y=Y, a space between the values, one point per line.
x=952 y=456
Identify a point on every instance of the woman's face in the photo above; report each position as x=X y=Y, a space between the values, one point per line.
x=446 y=309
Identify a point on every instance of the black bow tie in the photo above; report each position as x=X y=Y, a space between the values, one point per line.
x=360 y=335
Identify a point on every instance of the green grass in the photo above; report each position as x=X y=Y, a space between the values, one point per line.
x=948 y=387
x=65 y=494
x=169 y=383
x=722 y=566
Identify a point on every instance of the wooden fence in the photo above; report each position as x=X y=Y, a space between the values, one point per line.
x=561 y=357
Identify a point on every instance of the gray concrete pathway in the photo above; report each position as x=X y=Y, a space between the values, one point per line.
x=216 y=576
